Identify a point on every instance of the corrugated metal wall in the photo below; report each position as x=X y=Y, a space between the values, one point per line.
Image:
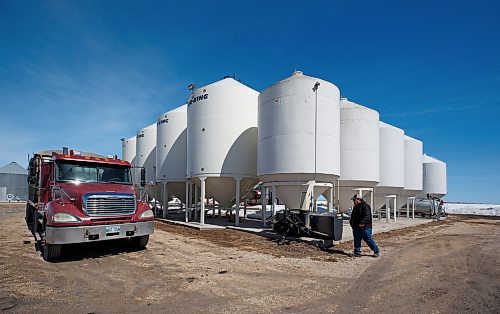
x=16 y=184
x=14 y=178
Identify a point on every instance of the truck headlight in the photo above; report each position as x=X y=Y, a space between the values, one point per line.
x=147 y=214
x=65 y=217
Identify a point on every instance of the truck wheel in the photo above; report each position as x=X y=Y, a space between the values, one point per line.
x=51 y=252
x=29 y=216
x=140 y=242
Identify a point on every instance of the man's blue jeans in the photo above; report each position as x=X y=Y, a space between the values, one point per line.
x=366 y=235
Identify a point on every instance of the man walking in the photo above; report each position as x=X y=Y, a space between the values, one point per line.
x=361 y=224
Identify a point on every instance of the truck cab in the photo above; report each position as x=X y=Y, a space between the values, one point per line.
x=83 y=197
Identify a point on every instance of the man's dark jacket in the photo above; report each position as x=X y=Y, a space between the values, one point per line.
x=361 y=215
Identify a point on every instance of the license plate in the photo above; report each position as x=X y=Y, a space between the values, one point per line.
x=112 y=229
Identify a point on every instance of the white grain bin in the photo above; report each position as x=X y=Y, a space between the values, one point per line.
x=146 y=151
x=392 y=164
x=413 y=169
x=434 y=177
x=222 y=140
x=359 y=152
x=14 y=177
x=171 y=148
x=129 y=149
x=128 y=154
x=299 y=137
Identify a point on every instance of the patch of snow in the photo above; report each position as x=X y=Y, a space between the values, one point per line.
x=472 y=209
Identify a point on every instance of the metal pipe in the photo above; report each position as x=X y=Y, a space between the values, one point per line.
x=202 y=198
x=273 y=205
x=408 y=208
x=188 y=192
x=165 y=200
x=195 y=188
x=413 y=209
x=214 y=214
x=315 y=89
x=371 y=200
x=395 y=207
x=387 y=210
x=263 y=198
x=330 y=202
x=338 y=195
x=237 y=207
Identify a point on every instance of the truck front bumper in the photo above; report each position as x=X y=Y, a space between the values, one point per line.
x=78 y=234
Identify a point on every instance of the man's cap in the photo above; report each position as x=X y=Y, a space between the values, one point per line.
x=354 y=197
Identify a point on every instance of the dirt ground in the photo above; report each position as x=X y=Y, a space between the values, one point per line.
x=450 y=266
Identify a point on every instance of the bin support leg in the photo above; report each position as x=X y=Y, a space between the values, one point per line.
x=202 y=201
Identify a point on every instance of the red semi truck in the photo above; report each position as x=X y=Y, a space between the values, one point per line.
x=85 y=197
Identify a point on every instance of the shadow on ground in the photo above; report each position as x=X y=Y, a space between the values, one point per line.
x=93 y=250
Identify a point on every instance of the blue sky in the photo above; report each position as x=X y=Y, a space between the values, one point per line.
x=84 y=74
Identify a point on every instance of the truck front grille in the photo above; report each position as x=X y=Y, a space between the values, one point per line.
x=101 y=205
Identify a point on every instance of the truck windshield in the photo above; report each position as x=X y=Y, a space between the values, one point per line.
x=93 y=173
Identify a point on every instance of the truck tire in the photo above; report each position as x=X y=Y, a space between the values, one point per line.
x=29 y=216
x=140 y=242
x=51 y=252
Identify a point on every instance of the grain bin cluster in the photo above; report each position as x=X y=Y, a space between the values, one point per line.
x=298 y=138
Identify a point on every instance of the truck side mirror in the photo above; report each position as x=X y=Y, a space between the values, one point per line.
x=143 y=177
